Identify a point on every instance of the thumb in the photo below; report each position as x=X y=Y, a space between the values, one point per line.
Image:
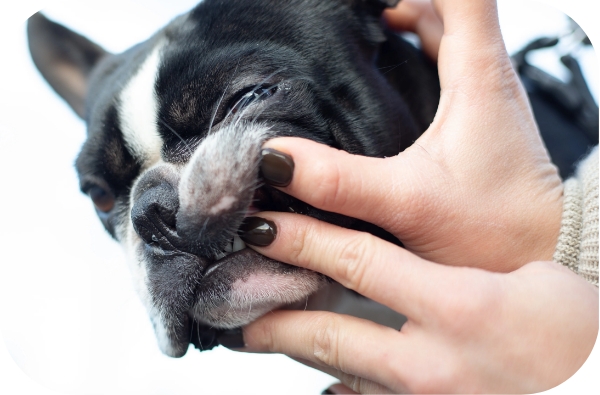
x=472 y=44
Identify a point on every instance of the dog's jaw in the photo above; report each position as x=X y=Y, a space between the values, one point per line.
x=196 y=280
x=261 y=285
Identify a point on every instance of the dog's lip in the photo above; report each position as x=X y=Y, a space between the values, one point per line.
x=223 y=261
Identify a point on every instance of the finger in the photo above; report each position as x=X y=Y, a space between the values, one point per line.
x=357 y=385
x=418 y=16
x=359 y=261
x=341 y=389
x=472 y=44
x=331 y=342
x=351 y=384
x=356 y=186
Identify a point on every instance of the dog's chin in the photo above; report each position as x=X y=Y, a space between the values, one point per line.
x=231 y=292
x=245 y=285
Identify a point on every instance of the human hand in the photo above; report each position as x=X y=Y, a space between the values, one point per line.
x=468 y=330
x=477 y=188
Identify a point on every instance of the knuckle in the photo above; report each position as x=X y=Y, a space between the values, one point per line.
x=302 y=246
x=263 y=333
x=299 y=244
x=355 y=253
x=326 y=341
x=358 y=384
x=330 y=188
x=365 y=386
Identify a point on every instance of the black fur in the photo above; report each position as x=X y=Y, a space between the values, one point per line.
x=333 y=74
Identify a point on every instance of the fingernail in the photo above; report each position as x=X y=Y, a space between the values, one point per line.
x=326 y=392
x=232 y=338
x=276 y=168
x=257 y=231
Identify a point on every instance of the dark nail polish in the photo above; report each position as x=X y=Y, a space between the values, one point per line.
x=326 y=392
x=257 y=231
x=276 y=168
x=232 y=338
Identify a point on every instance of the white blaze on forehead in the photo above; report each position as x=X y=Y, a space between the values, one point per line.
x=138 y=111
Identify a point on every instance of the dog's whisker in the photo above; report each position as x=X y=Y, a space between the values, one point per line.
x=212 y=119
x=203 y=229
x=257 y=86
x=394 y=67
x=268 y=89
x=228 y=310
x=238 y=117
x=259 y=114
x=176 y=134
x=197 y=336
x=250 y=308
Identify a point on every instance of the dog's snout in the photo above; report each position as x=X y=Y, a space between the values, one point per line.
x=154 y=216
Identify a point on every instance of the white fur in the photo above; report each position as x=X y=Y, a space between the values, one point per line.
x=133 y=246
x=255 y=296
x=138 y=111
x=224 y=204
x=227 y=160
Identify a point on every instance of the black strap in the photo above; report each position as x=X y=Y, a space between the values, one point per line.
x=566 y=112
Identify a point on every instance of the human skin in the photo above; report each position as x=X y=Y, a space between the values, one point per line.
x=477 y=188
x=477 y=204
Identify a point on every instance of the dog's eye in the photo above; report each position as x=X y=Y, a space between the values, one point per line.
x=245 y=98
x=103 y=199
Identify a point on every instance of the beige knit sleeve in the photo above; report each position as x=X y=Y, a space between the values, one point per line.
x=577 y=246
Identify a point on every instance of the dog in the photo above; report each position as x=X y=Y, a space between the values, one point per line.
x=175 y=127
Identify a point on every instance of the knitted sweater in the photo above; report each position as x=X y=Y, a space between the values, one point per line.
x=577 y=246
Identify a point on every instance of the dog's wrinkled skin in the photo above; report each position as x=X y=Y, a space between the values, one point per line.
x=175 y=128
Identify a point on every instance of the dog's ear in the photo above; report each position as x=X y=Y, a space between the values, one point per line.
x=64 y=58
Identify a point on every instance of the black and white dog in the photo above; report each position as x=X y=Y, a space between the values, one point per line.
x=175 y=129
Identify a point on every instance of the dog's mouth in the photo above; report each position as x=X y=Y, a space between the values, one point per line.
x=200 y=276
x=233 y=246
x=263 y=200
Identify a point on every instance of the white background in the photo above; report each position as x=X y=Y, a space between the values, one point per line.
x=68 y=315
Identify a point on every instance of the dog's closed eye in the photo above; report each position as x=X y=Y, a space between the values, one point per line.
x=249 y=96
x=103 y=199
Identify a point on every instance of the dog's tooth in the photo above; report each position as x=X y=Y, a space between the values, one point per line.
x=229 y=247
x=220 y=255
x=238 y=244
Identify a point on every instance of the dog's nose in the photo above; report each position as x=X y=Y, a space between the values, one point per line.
x=154 y=216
